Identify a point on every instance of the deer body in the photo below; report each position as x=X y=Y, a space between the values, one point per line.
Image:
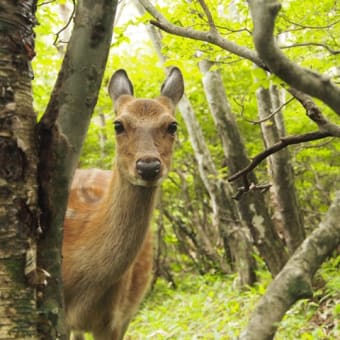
x=107 y=245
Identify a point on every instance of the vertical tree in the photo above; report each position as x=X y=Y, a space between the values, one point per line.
x=225 y=213
x=286 y=205
x=18 y=172
x=252 y=206
x=49 y=151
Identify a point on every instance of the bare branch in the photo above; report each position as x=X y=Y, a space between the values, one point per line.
x=264 y=13
x=326 y=129
x=284 y=142
x=279 y=64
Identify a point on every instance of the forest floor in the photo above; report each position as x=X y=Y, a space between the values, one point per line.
x=211 y=307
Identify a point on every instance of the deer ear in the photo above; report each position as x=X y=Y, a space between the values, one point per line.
x=120 y=84
x=173 y=87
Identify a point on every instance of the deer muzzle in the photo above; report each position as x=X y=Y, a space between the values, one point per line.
x=148 y=168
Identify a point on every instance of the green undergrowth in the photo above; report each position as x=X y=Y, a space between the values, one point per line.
x=211 y=307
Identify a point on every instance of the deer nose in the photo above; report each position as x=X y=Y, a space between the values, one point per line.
x=148 y=168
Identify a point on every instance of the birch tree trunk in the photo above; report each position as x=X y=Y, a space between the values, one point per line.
x=252 y=204
x=280 y=170
x=18 y=172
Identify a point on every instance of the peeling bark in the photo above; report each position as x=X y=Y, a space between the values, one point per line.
x=294 y=281
x=18 y=171
x=281 y=171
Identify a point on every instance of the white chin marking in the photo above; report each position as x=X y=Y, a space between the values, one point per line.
x=143 y=183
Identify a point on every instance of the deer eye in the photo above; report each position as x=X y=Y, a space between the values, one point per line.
x=172 y=128
x=119 y=127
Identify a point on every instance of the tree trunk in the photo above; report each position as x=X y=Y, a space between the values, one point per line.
x=225 y=214
x=294 y=281
x=62 y=131
x=252 y=204
x=18 y=173
x=280 y=170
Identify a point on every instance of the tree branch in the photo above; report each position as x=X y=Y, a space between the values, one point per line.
x=315 y=114
x=264 y=13
x=212 y=37
x=269 y=58
x=294 y=281
x=284 y=142
x=329 y=49
x=325 y=27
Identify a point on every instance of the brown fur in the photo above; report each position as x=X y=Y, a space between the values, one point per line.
x=107 y=245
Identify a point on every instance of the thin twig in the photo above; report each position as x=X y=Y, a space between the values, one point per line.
x=253 y=187
x=330 y=50
x=46 y=3
x=269 y=116
x=307 y=26
x=66 y=25
x=208 y=15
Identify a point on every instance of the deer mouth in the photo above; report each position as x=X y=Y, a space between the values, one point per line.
x=148 y=184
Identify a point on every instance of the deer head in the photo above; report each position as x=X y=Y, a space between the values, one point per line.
x=145 y=128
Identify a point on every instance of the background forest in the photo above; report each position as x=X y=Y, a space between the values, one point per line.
x=213 y=257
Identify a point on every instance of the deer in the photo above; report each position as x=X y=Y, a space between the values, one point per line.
x=107 y=246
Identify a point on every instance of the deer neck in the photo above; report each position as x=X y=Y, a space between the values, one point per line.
x=124 y=219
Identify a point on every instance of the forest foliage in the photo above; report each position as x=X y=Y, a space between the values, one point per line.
x=310 y=37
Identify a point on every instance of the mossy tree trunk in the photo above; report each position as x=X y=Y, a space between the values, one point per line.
x=37 y=162
x=18 y=172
